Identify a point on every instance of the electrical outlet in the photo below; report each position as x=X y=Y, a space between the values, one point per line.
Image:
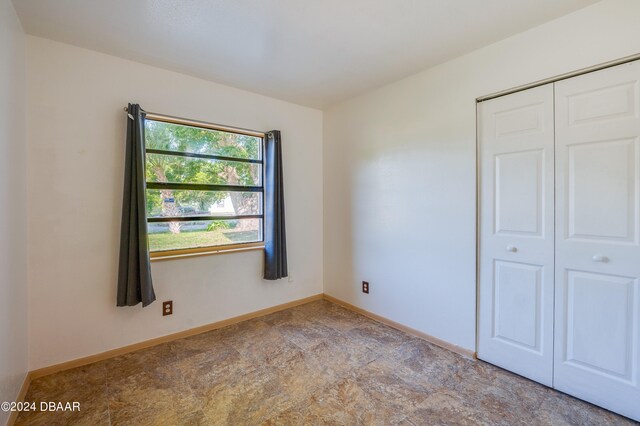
x=365 y=287
x=167 y=308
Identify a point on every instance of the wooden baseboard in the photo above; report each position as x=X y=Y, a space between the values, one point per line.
x=21 y=395
x=164 y=339
x=438 y=342
x=213 y=326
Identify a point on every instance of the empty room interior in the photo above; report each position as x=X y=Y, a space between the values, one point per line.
x=305 y=212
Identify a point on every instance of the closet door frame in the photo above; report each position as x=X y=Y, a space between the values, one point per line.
x=479 y=169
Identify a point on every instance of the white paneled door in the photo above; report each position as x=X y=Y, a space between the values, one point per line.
x=597 y=303
x=517 y=233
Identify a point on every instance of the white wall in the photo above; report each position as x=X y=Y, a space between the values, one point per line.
x=13 y=207
x=76 y=156
x=399 y=179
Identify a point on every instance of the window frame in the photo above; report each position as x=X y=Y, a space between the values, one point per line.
x=217 y=249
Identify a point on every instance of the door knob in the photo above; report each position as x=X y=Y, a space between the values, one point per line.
x=512 y=249
x=600 y=258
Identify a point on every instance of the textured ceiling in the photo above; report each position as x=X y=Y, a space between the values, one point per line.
x=311 y=52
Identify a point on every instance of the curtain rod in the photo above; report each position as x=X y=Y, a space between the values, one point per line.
x=196 y=123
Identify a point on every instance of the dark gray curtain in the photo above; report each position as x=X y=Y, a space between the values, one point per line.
x=275 y=241
x=134 y=275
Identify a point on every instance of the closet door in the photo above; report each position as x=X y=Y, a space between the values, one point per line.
x=516 y=233
x=597 y=327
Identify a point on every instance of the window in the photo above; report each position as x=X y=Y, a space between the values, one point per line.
x=204 y=187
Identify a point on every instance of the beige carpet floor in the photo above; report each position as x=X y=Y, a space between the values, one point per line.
x=313 y=364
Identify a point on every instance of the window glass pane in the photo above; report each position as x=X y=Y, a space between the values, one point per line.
x=174 y=169
x=172 y=203
x=203 y=233
x=177 y=137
